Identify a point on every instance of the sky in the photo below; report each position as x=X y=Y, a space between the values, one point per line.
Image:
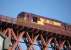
x=55 y=9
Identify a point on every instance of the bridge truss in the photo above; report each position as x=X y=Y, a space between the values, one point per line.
x=15 y=33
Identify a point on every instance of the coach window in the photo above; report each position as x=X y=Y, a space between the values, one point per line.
x=41 y=21
x=57 y=23
x=47 y=21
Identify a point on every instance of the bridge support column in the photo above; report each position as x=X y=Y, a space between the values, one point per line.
x=45 y=43
x=31 y=41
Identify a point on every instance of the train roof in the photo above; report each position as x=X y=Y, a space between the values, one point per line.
x=22 y=13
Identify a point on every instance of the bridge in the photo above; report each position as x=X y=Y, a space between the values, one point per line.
x=34 y=28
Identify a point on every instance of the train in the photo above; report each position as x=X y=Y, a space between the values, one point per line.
x=43 y=23
x=26 y=21
x=31 y=20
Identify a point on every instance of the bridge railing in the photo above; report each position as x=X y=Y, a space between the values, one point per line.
x=8 y=19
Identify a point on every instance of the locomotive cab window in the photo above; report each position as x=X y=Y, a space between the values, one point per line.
x=35 y=19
